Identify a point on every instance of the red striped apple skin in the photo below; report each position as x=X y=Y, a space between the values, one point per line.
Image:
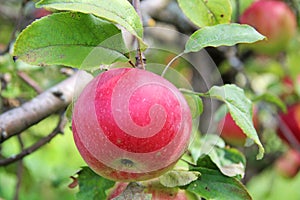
x=130 y=124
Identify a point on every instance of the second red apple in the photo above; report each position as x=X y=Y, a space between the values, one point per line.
x=232 y=133
x=275 y=20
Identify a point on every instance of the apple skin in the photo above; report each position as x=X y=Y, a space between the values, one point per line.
x=288 y=165
x=158 y=191
x=231 y=133
x=275 y=20
x=130 y=124
x=291 y=121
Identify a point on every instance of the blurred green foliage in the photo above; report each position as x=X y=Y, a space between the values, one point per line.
x=46 y=172
x=270 y=185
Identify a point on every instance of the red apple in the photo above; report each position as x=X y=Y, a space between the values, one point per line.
x=232 y=133
x=289 y=125
x=131 y=124
x=158 y=191
x=275 y=20
x=288 y=165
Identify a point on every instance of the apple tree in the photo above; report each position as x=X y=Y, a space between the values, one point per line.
x=150 y=116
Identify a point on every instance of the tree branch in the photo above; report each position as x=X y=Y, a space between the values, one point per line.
x=15 y=121
x=58 y=129
x=30 y=82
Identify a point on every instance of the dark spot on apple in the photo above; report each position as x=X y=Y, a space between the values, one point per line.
x=222 y=15
x=126 y=162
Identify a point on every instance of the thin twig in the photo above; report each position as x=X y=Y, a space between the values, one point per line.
x=57 y=130
x=27 y=79
x=140 y=59
x=19 y=171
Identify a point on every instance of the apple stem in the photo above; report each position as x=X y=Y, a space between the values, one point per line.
x=140 y=57
x=170 y=63
x=187 y=91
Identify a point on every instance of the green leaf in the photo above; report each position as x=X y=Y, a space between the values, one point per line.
x=116 y=11
x=207 y=13
x=229 y=161
x=240 y=108
x=91 y=185
x=213 y=140
x=204 y=145
x=177 y=178
x=271 y=98
x=221 y=35
x=215 y=185
x=205 y=162
x=220 y=113
x=69 y=39
x=195 y=104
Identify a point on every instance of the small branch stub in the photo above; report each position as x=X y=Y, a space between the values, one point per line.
x=140 y=60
